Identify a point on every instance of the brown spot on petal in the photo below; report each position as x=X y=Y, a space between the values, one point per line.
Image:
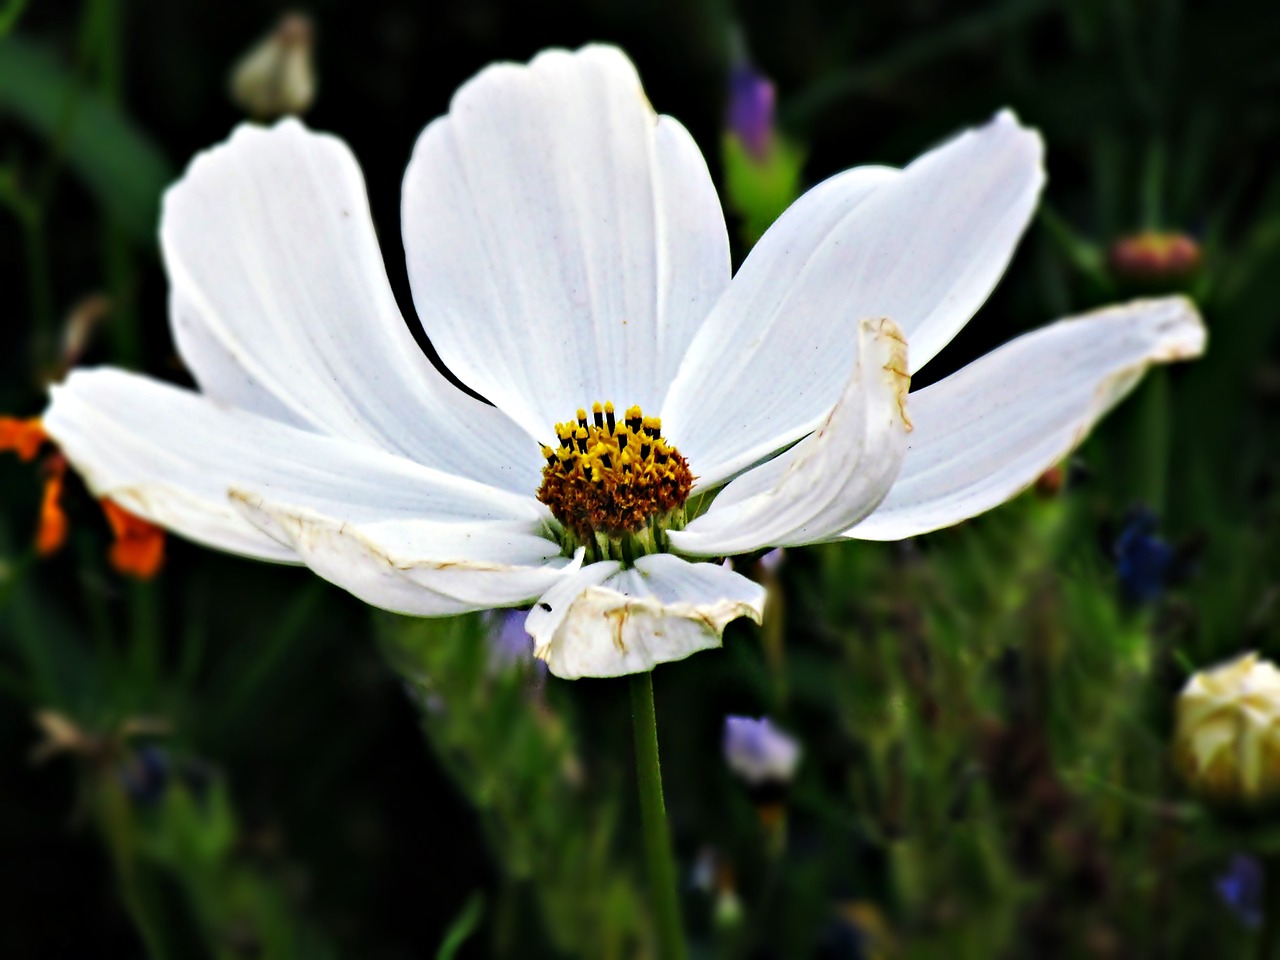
x=896 y=366
x=619 y=617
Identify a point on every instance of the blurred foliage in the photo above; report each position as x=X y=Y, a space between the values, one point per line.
x=512 y=750
x=985 y=720
x=118 y=163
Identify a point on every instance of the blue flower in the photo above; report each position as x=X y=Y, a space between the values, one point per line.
x=1144 y=562
x=1240 y=886
x=145 y=775
x=758 y=751
x=751 y=105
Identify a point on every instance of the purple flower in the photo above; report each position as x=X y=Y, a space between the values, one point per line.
x=758 y=751
x=772 y=560
x=750 y=113
x=510 y=645
x=1240 y=887
x=509 y=642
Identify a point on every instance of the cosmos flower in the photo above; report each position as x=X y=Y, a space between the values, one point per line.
x=569 y=262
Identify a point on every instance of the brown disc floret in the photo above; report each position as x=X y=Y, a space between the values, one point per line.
x=610 y=476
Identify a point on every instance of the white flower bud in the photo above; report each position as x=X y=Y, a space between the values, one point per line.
x=1227 y=739
x=276 y=77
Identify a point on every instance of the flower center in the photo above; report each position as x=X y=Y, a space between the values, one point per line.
x=615 y=486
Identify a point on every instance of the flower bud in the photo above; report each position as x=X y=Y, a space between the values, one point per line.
x=1227 y=737
x=82 y=324
x=750 y=111
x=1050 y=483
x=277 y=78
x=1155 y=257
x=728 y=910
x=761 y=166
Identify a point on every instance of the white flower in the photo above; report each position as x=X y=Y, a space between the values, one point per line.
x=1227 y=740
x=566 y=246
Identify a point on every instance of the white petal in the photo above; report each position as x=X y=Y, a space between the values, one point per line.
x=924 y=246
x=280 y=304
x=830 y=479
x=418 y=567
x=172 y=456
x=986 y=432
x=564 y=241
x=606 y=621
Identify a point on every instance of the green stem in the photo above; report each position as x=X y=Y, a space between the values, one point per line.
x=41 y=285
x=117 y=257
x=115 y=820
x=774 y=639
x=1155 y=440
x=1153 y=187
x=144 y=609
x=653 y=817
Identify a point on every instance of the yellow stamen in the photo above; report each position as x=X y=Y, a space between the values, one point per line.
x=612 y=478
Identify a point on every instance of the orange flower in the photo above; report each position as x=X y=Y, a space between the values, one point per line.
x=139 y=546
x=52 y=531
x=23 y=437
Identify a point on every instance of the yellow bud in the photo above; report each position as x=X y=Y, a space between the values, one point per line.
x=1227 y=737
x=276 y=78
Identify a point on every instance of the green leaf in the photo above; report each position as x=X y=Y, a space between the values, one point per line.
x=116 y=161
x=10 y=14
x=462 y=928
